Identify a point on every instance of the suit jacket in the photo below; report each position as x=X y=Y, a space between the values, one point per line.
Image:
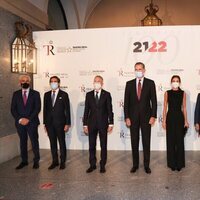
x=144 y=108
x=100 y=115
x=59 y=114
x=30 y=111
x=197 y=111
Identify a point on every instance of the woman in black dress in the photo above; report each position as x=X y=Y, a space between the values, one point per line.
x=175 y=121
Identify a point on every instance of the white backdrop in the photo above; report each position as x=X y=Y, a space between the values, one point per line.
x=76 y=56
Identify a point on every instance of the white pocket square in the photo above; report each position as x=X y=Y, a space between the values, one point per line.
x=60 y=97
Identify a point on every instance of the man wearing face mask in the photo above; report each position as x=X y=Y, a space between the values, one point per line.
x=98 y=118
x=140 y=110
x=57 y=120
x=25 y=107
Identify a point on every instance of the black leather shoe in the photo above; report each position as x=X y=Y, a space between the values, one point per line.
x=36 y=165
x=53 y=165
x=91 y=169
x=173 y=168
x=147 y=170
x=102 y=169
x=133 y=169
x=178 y=169
x=62 y=165
x=21 y=165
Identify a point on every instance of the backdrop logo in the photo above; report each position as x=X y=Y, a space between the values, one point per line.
x=160 y=119
x=177 y=70
x=46 y=75
x=123 y=134
x=121 y=119
x=49 y=48
x=91 y=72
x=84 y=89
x=120 y=103
x=151 y=47
x=123 y=73
x=160 y=88
x=60 y=75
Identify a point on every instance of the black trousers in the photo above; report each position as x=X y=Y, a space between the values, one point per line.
x=23 y=132
x=93 y=132
x=146 y=139
x=57 y=133
x=175 y=141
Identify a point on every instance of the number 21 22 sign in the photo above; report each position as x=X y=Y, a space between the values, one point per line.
x=152 y=47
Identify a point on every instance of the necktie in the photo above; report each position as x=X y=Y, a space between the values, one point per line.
x=96 y=98
x=139 y=89
x=53 y=98
x=25 y=97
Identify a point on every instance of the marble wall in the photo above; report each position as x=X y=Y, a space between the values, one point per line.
x=8 y=80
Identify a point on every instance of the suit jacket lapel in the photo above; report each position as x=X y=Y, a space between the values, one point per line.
x=29 y=95
x=49 y=100
x=21 y=97
x=58 y=95
x=93 y=97
x=135 y=88
x=101 y=96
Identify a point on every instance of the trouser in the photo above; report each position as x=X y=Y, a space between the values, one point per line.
x=57 y=133
x=23 y=132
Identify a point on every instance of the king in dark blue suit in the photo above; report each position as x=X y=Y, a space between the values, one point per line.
x=25 y=107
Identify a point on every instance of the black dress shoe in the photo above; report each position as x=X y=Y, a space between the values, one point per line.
x=53 y=165
x=62 y=166
x=178 y=169
x=36 y=165
x=173 y=168
x=147 y=170
x=21 y=165
x=102 y=169
x=91 y=169
x=133 y=169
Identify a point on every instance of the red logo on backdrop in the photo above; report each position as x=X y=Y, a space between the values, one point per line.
x=46 y=186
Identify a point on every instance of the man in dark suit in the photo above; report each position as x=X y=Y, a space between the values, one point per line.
x=57 y=120
x=25 y=107
x=98 y=118
x=140 y=110
x=197 y=115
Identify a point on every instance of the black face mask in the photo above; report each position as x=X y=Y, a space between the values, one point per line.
x=25 y=85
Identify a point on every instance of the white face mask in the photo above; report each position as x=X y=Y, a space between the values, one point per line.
x=175 y=85
x=97 y=85
x=54 y=85
x=139 y=74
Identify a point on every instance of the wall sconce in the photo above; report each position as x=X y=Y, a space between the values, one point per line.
x=24 y=52
x=151 y=18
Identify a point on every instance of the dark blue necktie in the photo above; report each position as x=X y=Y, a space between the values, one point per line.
x=97 y=98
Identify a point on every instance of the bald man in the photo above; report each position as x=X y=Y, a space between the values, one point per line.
x=25 y=107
